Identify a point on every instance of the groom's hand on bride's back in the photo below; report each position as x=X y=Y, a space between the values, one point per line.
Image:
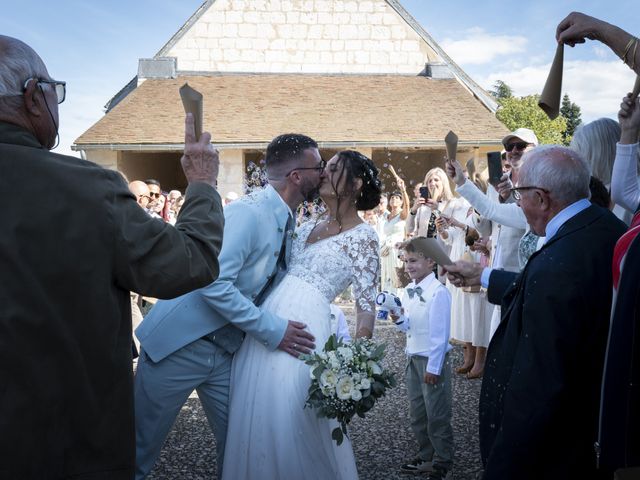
x=297 y=340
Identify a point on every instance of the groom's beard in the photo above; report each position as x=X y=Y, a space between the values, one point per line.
x=311 y=192
x=312 y=195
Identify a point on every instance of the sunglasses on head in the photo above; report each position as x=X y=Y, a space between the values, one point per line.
x=518 y=145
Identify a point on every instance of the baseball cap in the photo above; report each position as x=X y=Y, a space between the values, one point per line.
x=523 y=134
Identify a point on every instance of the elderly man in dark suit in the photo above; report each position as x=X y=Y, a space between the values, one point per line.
x=67 y=266
x=541 y=389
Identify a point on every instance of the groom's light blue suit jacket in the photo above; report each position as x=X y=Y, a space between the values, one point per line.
x=253 y=235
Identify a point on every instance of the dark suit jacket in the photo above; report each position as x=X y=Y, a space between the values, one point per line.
x=541 y=388
x=619 y=433
x=73 y=243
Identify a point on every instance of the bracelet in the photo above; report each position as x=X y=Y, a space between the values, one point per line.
x=626 y=49
x=634 y=42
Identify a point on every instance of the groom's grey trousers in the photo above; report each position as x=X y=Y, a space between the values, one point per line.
x=162 y=388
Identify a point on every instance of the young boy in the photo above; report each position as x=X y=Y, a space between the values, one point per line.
x=425 y=320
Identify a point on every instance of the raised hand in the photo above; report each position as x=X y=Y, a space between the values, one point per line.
x=577 y=27
x=629 y=118
x=200 y=161
x=455 y=172
x=297 y=340
x=418 y=202
x=505 y=186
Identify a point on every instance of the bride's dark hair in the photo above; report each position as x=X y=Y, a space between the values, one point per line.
x=356 y=165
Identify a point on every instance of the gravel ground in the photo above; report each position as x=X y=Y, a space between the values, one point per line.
x=381 y=442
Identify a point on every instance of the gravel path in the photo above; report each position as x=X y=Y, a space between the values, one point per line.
x=381 y=442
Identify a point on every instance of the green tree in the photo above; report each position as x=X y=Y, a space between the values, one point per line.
x=501 y=91
x=516 y=112
x=571 y=113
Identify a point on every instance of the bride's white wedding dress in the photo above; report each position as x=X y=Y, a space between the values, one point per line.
x=270 y=435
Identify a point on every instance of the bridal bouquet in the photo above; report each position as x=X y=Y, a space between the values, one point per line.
x=346 y=380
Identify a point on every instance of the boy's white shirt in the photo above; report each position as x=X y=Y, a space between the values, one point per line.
x=339 y=324
x=438 y=319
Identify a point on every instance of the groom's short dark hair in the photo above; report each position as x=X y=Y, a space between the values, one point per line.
x=287 y=148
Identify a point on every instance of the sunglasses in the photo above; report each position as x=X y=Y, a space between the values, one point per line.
x=155 y=195
x=517 y=145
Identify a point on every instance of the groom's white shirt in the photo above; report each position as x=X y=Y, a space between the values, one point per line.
x=253 y=234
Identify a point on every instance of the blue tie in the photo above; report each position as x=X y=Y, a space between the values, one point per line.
x=280 y=269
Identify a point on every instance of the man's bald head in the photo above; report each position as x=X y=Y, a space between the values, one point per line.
x=26 y=100
x=141 y=191
x=18 y=62
x=560 y=170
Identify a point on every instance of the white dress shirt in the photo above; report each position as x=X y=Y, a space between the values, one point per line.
x=437 y=317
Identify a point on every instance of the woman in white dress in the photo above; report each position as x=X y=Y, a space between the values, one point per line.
x=270 y=434
x=393 y=232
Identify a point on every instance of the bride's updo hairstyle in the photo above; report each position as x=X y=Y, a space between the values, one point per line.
x=356 y=165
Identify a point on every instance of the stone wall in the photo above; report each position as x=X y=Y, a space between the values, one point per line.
x=303 y=36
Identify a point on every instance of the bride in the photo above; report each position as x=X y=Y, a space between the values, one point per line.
x=271 y=435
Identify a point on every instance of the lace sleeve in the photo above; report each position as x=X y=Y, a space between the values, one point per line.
x=363 y=252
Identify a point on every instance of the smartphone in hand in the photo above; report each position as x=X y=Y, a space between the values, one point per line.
x=495 y=167
x=424 y=193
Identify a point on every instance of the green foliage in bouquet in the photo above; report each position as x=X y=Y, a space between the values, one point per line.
x=346 y=380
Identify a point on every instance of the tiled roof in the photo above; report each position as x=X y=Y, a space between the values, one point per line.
x=255 y=108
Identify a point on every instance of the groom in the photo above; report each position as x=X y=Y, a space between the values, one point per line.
x=187 y=343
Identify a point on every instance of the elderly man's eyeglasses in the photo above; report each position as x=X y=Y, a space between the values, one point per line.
x=518 y=145
x=517 y=195
x=59 y=86
x=319 y=168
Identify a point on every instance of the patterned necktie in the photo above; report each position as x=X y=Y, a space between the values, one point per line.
x=415 y=291
x=280 y=269
x=527 y=247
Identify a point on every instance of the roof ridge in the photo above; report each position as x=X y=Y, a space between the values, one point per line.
x=184 y=28
x=480 y=93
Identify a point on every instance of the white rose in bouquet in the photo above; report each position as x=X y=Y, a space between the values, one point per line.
x=364 y=384
x=328 y=379
x=356 y=395
x=344 y=387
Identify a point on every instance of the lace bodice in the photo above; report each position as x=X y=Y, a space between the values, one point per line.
x=332 y=264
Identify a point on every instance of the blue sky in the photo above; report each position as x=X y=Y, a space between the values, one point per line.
x=95 y=46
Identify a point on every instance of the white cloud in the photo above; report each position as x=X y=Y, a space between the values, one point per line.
x=477 y=47
x=597 y=86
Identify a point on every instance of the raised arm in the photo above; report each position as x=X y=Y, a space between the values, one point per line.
x=625 y=190
x=156 y=259
x=577 y=27
x=507 y=214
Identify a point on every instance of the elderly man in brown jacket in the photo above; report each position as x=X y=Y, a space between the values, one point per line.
x=66 y=268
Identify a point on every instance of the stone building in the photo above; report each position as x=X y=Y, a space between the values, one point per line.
x=350 y=73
